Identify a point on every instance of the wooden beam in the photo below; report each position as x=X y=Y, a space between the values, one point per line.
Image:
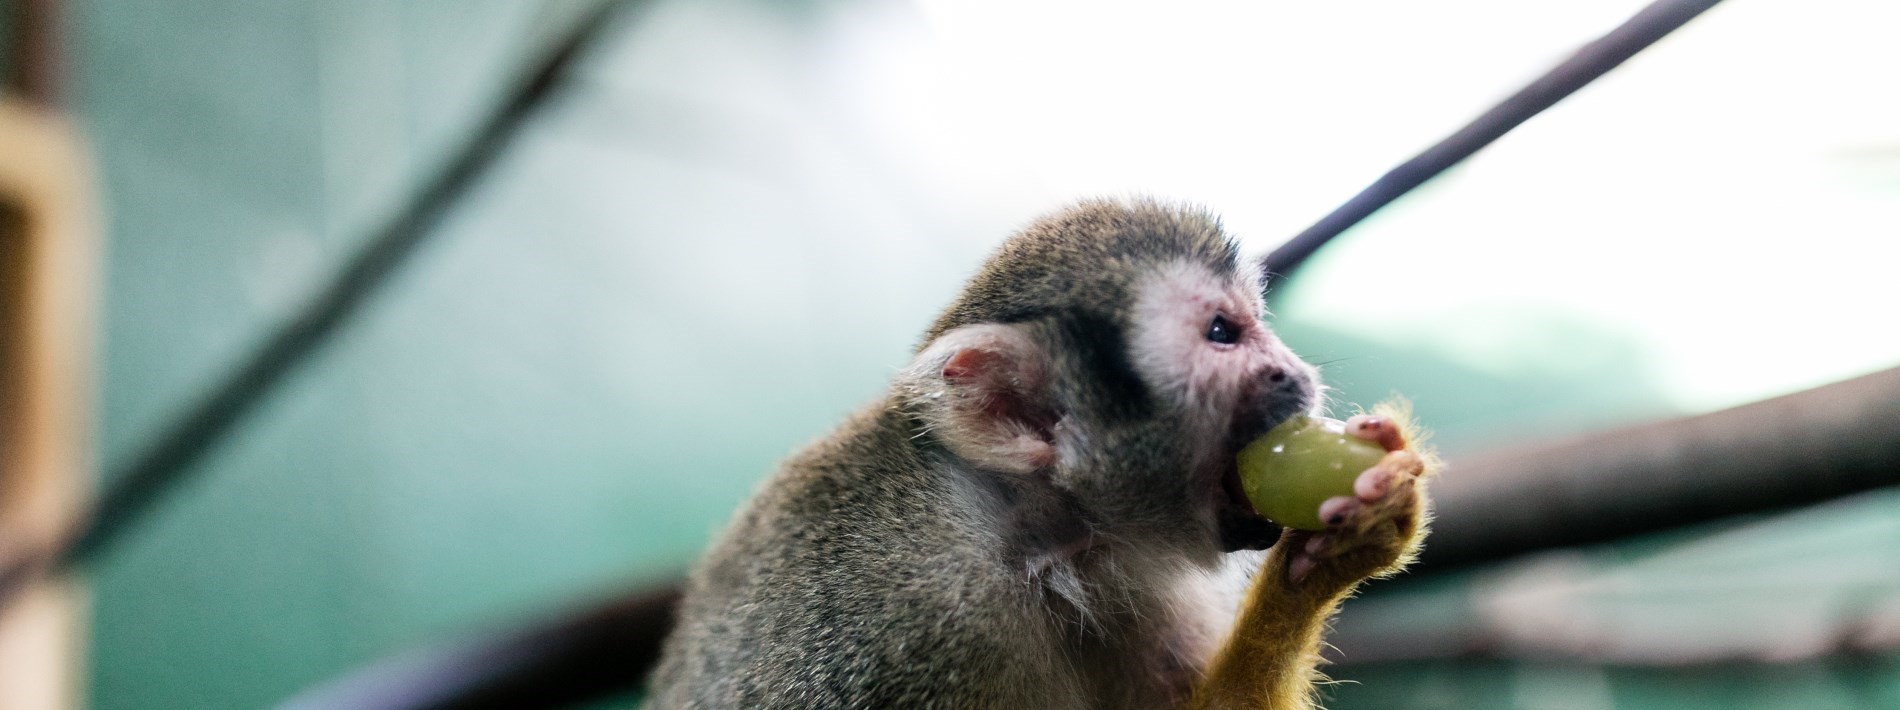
x=47 y=262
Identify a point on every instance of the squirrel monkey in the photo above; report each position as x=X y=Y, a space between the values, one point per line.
x=1044 y=510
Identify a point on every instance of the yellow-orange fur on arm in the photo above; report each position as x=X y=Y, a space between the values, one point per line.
x=1270 y=659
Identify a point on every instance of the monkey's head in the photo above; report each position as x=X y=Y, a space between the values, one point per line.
x=1119 y=353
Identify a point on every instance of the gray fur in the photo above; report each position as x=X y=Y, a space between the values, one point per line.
x=877 y=569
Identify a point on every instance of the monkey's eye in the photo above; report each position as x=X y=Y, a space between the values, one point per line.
x=1223 y=331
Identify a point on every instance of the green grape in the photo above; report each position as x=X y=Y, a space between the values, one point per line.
x=1291 y=469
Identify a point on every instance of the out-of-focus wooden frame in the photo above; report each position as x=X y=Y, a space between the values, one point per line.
x=47 y=270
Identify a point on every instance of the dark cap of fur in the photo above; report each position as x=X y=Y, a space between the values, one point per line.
x=1084 y=260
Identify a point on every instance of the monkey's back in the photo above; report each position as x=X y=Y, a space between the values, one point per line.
x=863 y=575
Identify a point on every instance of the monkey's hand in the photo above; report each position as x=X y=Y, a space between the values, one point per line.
x=1376 y=531
x=1269 y=661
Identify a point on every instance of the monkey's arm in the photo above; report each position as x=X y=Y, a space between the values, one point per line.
x=1270 y=660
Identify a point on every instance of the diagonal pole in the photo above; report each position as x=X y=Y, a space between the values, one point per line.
x=1641 y=30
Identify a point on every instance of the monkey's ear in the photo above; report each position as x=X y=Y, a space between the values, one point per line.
x=983 y=391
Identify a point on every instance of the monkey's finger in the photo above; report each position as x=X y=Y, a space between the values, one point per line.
x=1371 y=485
x=1339 y=510
x=1376 y=429
x=1299 y=567
x=1404 y=464
x=1395 y=513
x=1308 y=559
x=1397 y=466
x=1384 y=494
x=1316 y=545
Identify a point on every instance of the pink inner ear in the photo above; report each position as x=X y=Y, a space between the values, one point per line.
x=996 y=422
x=987 y=373
x=970 y=364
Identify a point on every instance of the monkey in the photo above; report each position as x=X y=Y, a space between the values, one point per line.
x=1043 y=510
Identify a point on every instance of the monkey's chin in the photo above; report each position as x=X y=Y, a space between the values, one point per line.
x=1240 y=527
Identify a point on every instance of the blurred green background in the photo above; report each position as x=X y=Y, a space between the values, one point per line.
x=729 y=229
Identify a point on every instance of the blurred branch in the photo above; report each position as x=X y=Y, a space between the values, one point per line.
x=1772 y=455
x=134 y=488
x=1593 y=60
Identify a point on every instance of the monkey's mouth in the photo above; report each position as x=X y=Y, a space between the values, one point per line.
x=1240 y=526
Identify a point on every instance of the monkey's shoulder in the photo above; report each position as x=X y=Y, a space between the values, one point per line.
x=855 y=581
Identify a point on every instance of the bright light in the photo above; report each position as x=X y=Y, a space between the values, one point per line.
x=1733 y=211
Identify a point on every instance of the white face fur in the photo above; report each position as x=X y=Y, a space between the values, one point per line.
x=1199 y=339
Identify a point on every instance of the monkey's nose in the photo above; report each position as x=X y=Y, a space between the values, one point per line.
x=1288 y=393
